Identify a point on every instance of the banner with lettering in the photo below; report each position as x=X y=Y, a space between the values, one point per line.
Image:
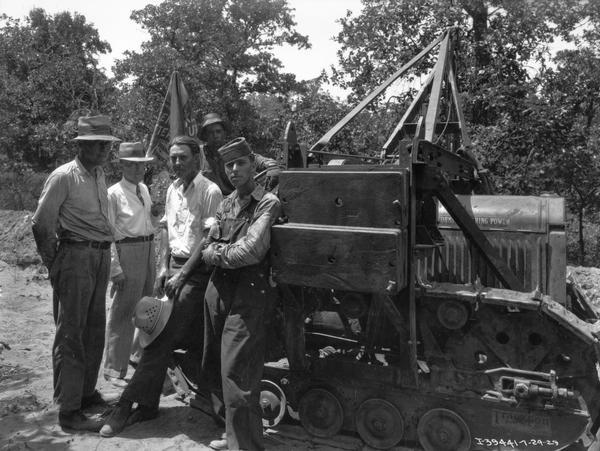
x=175 y=118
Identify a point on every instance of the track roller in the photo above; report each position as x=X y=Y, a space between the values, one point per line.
x=321 y=413
x=379 y=423
x=443 y=430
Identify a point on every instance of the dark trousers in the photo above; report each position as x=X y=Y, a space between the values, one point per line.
x=187 y=319
x=79 y=276
x=236 y=305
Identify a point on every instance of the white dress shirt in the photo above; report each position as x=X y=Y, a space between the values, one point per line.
x=128 y=216
x=190 y=213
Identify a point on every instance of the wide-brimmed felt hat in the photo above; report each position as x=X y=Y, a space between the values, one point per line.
x=94 y=128
x=133 y=151
x=235 y=149
x=209 y=119
x=150 y=317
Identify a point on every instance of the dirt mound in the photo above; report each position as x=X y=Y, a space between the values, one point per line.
x=17 y=246
x=589 y=281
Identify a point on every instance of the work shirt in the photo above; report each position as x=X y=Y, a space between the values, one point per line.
x=129 y=217
x=73 y=205
x=190 y=213
x=242 y=233
x=238 y=302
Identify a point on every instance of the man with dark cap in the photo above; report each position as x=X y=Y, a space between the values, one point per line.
x=73 y=236
x=213 y=133
x=239 y=297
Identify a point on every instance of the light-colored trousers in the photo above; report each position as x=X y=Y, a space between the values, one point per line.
x=138 y=264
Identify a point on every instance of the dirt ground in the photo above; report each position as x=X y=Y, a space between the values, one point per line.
x=28 y=419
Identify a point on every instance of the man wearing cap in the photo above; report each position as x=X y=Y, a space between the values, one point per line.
x=133 y=264
x=190 y=208
x=239 y=297
x=73 y=236
x=213 y=133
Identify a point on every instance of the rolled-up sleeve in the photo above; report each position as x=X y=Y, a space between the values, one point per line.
x=252 y=247
x=45 y=218
x=212 y=201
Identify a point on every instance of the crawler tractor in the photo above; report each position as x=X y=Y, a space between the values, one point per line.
x=416 y=313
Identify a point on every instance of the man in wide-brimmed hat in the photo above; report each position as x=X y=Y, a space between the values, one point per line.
x=239 y=298
x=214 y=134
x=73 y=236
x=133 y=264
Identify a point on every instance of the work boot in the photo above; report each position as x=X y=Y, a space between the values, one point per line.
x=220 y=443
x=78 y=421
x=117 y=420
x=95 y=399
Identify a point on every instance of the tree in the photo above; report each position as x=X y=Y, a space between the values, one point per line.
x=222 y=50
x=48 y=76
x=49 y=72
x=573 y=92
x=500 y=39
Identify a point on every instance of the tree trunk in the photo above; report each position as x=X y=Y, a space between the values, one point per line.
x=581 y=242
x=478 y=11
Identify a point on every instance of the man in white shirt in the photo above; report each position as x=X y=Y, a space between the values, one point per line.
x=132 y=268
x=190 y=208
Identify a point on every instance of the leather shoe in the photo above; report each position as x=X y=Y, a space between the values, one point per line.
x=218 y=444
x=117 y=420
x=95 y=399
x=78 y=421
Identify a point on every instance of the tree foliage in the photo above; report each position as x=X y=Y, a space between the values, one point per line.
x=500 y=39
x=222 y=50
x=48 y=73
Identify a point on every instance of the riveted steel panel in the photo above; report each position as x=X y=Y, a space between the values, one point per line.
x=345 y=197
x=341 y=258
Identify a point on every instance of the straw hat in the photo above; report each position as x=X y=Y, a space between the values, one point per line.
x=150 y=317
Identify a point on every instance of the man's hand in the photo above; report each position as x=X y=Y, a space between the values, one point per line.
x=159 y=283
x=174 y=284
x=211 y=255
x=118 y=282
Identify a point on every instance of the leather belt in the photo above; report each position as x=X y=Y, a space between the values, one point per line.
x=137 y=239
x=88 y=243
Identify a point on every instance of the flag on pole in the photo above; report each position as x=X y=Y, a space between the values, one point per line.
x=175 y=118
